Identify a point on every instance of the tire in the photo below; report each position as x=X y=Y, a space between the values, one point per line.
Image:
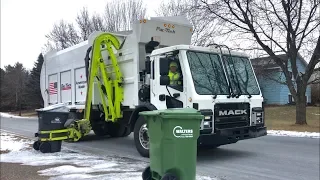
x=36 y=145
x=146 y=174
x=45 y=147
x=116 y=129
x=169 y=176
x=127 y=132
x=140 y=123
x=100 y=128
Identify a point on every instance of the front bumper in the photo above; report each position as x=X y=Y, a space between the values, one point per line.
x=228 y=136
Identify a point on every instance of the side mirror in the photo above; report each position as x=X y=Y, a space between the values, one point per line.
x=164 y=66
x=164 y=80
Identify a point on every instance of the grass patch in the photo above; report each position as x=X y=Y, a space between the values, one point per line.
x=284 y=118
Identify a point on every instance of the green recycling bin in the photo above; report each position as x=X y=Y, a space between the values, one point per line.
x=173 y=135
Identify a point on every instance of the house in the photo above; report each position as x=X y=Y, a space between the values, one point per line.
x=272 y=80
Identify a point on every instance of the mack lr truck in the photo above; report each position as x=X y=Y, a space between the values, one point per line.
x=111 y=77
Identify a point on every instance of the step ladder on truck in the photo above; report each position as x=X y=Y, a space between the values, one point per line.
x=125 y=73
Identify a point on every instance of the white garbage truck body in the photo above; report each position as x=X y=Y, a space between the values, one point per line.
x=219 y=83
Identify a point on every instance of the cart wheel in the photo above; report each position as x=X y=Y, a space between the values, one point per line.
x=146 y=174
x=36 y=145
x=45 y=147
x=169 y=176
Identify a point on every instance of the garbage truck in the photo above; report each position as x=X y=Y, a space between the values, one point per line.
x=107 y=80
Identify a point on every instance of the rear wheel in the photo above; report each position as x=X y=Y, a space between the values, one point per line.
x=116 y=129
x=100 y=128
x=127 y=132
x=141 y=137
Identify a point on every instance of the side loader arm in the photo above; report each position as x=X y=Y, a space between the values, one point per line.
x=110 y=89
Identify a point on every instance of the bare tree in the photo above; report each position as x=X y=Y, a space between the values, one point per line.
x=173 y=8
x=117 y=17
x=203 y=28
x=120 y=14
x=62 y=35
x=274 y=27
x=84 y=23
x=98 y=23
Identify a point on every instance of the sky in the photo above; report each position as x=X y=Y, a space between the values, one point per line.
x=27 y=22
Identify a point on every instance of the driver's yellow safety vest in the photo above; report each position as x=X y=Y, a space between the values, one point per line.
x=174 y=78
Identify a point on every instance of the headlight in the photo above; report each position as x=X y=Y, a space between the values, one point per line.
x=259 y=120
x=257 y=115
x=207 y=117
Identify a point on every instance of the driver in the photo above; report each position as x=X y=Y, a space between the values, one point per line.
x=174 y=75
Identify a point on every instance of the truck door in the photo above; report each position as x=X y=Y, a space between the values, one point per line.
x=168 y=86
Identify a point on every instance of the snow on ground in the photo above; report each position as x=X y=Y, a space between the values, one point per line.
x=293 y=133
x=69 y=164
x=7 y=115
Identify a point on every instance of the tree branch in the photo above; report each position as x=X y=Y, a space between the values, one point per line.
x=315 y=59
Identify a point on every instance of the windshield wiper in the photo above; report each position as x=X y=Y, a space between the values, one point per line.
x=236 y=76
x=212 y=90
x=216 y=75
x=230 y=89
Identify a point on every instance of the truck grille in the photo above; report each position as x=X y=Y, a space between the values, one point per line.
x=231 y=115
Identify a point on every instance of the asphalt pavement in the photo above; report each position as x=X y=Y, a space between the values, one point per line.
x=264 y=158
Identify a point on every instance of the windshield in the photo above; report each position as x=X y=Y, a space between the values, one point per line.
x=207 y=73
x=241 y=75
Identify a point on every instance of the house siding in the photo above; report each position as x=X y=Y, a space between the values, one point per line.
x=270 y=89
x=276 y=93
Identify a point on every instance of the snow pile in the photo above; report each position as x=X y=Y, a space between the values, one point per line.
x=7 y=115
x=69 y=164
x=13 y=143
x=293 y=133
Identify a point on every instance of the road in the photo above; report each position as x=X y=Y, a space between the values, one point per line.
x=265 y=158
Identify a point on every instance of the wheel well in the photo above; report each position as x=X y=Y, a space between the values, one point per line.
x=135 y=115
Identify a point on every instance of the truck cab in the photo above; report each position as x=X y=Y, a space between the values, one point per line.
x=220 y=84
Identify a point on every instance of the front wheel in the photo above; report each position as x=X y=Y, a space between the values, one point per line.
x=141 y=137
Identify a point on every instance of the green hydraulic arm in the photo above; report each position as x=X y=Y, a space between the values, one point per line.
x=110 y=88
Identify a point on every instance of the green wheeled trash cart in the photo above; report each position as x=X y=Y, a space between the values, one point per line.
x=173 y=135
